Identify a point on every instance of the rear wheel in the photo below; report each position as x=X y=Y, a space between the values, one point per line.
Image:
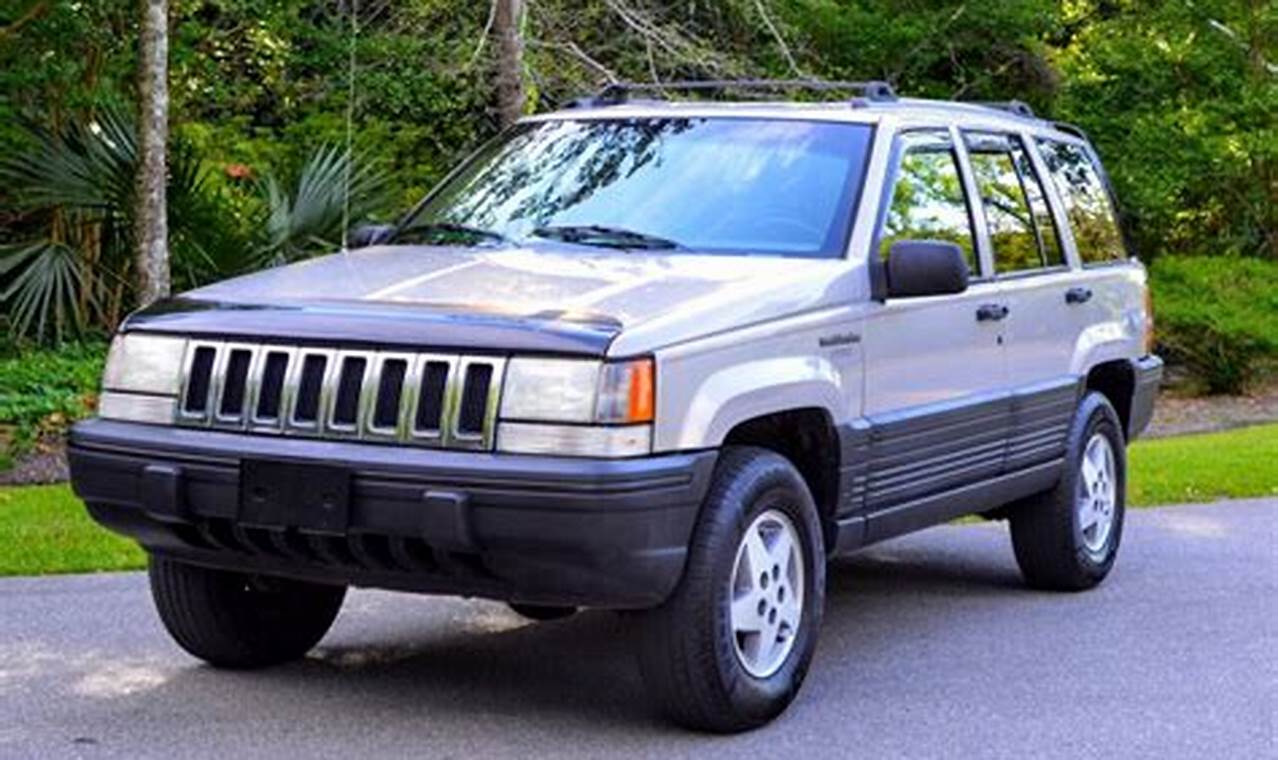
x=1067 y=538
x=730 y=648
x=234 y=620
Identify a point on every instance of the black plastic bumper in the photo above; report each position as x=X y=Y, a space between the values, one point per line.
x=1148 y=372
x=607 y=533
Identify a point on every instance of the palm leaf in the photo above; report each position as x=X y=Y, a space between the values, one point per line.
x=43 y=297
x=309 y=220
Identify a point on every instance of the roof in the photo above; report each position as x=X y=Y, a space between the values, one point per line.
x=869 y=102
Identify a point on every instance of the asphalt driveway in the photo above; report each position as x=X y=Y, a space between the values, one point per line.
x=931 y=648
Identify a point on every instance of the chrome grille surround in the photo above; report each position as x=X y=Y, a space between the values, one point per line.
x=447 y=434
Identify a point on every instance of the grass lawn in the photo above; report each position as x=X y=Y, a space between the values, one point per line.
x=44 y=529
x=1230 y=465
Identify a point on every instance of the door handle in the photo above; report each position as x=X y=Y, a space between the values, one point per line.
x=1078 y=295
x=991 y=312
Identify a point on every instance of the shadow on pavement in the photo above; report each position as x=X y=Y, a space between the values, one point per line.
x=445 y=661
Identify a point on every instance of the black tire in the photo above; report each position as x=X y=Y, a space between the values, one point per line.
x=1047 y=534
x=238 y=621
x=687 y=649
x=542 y=612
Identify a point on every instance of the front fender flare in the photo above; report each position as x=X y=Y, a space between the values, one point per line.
x=741 y=392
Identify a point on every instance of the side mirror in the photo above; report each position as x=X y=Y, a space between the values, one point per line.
x=369 y=234
x=925 y=268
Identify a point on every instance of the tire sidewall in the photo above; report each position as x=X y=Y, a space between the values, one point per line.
x=775 y=486
x=1096 y=415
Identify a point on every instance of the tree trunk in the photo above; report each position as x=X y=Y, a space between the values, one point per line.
x=510 y=61
x=150 y=231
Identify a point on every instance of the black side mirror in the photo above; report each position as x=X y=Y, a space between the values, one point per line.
x=925 y=268
x=369 y=234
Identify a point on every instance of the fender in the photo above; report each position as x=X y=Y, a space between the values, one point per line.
x=746 y=390
x=1116 y=339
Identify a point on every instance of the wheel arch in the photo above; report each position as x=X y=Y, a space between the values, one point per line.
x=1116 y=381
x=808 y=438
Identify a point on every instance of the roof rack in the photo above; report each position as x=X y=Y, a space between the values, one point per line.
x=1071 y=129
x=620 y=92
x=1018 y=107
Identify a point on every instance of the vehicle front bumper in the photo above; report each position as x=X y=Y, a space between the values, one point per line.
x=533 y=529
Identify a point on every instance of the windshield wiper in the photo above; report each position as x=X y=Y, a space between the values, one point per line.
x=609 y=237
x=455 y=229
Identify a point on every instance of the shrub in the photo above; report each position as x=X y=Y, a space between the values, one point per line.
x=1218 y=316
x=42 y=391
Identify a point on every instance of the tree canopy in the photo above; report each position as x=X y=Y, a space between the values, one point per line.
x=1180 y=96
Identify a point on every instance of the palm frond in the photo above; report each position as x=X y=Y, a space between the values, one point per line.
x=309 y=220
x=43 y=298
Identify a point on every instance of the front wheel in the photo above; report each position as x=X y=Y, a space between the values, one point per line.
x=730 y=648
x=235 y=620
x=1067 y=538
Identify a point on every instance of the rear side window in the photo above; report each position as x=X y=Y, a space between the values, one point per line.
x=1016 y=213
x=1087 y=203
x=928 y=202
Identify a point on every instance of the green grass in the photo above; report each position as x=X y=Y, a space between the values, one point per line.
x=44 y=529
x=1231 y=465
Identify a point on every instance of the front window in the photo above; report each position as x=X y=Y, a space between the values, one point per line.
x=703 y=185
x=928 y=202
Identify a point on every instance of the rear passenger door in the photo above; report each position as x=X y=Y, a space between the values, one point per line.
x=1036 y=281
x=1029 y=257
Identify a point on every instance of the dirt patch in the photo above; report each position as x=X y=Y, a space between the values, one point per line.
x=1179 y=415
x=47 y=463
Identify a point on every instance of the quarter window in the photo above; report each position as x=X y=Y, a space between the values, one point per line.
x=928 y=202
x=1087 y=202
x=1016 y=212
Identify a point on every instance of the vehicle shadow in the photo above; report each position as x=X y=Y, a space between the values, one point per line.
x=419 y=663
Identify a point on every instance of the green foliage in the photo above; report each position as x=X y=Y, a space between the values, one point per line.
x=309 y=220
x=1218 y=316
x=1182 y=100
x=42 y=390
x=73 y=186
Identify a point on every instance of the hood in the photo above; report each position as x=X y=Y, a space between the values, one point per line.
x=607 y=291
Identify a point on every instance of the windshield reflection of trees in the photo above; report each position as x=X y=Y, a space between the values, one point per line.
x=535 y=165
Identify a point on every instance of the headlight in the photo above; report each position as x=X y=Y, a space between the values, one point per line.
x=562 y=390
x=606 y=407
x=142 y=378
x=144 y=364
x=575 y=390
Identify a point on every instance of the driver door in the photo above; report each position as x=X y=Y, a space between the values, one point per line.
x=935 y=390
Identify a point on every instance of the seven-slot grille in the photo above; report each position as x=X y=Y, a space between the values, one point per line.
x=444 y=400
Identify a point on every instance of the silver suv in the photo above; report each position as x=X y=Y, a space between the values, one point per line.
x=661 y=357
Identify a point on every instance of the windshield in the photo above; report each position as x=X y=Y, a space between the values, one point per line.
x=705 y=185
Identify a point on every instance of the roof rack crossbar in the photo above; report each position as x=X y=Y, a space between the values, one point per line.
x=1018 y=107
x=620 y=92
x=1071 y=129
